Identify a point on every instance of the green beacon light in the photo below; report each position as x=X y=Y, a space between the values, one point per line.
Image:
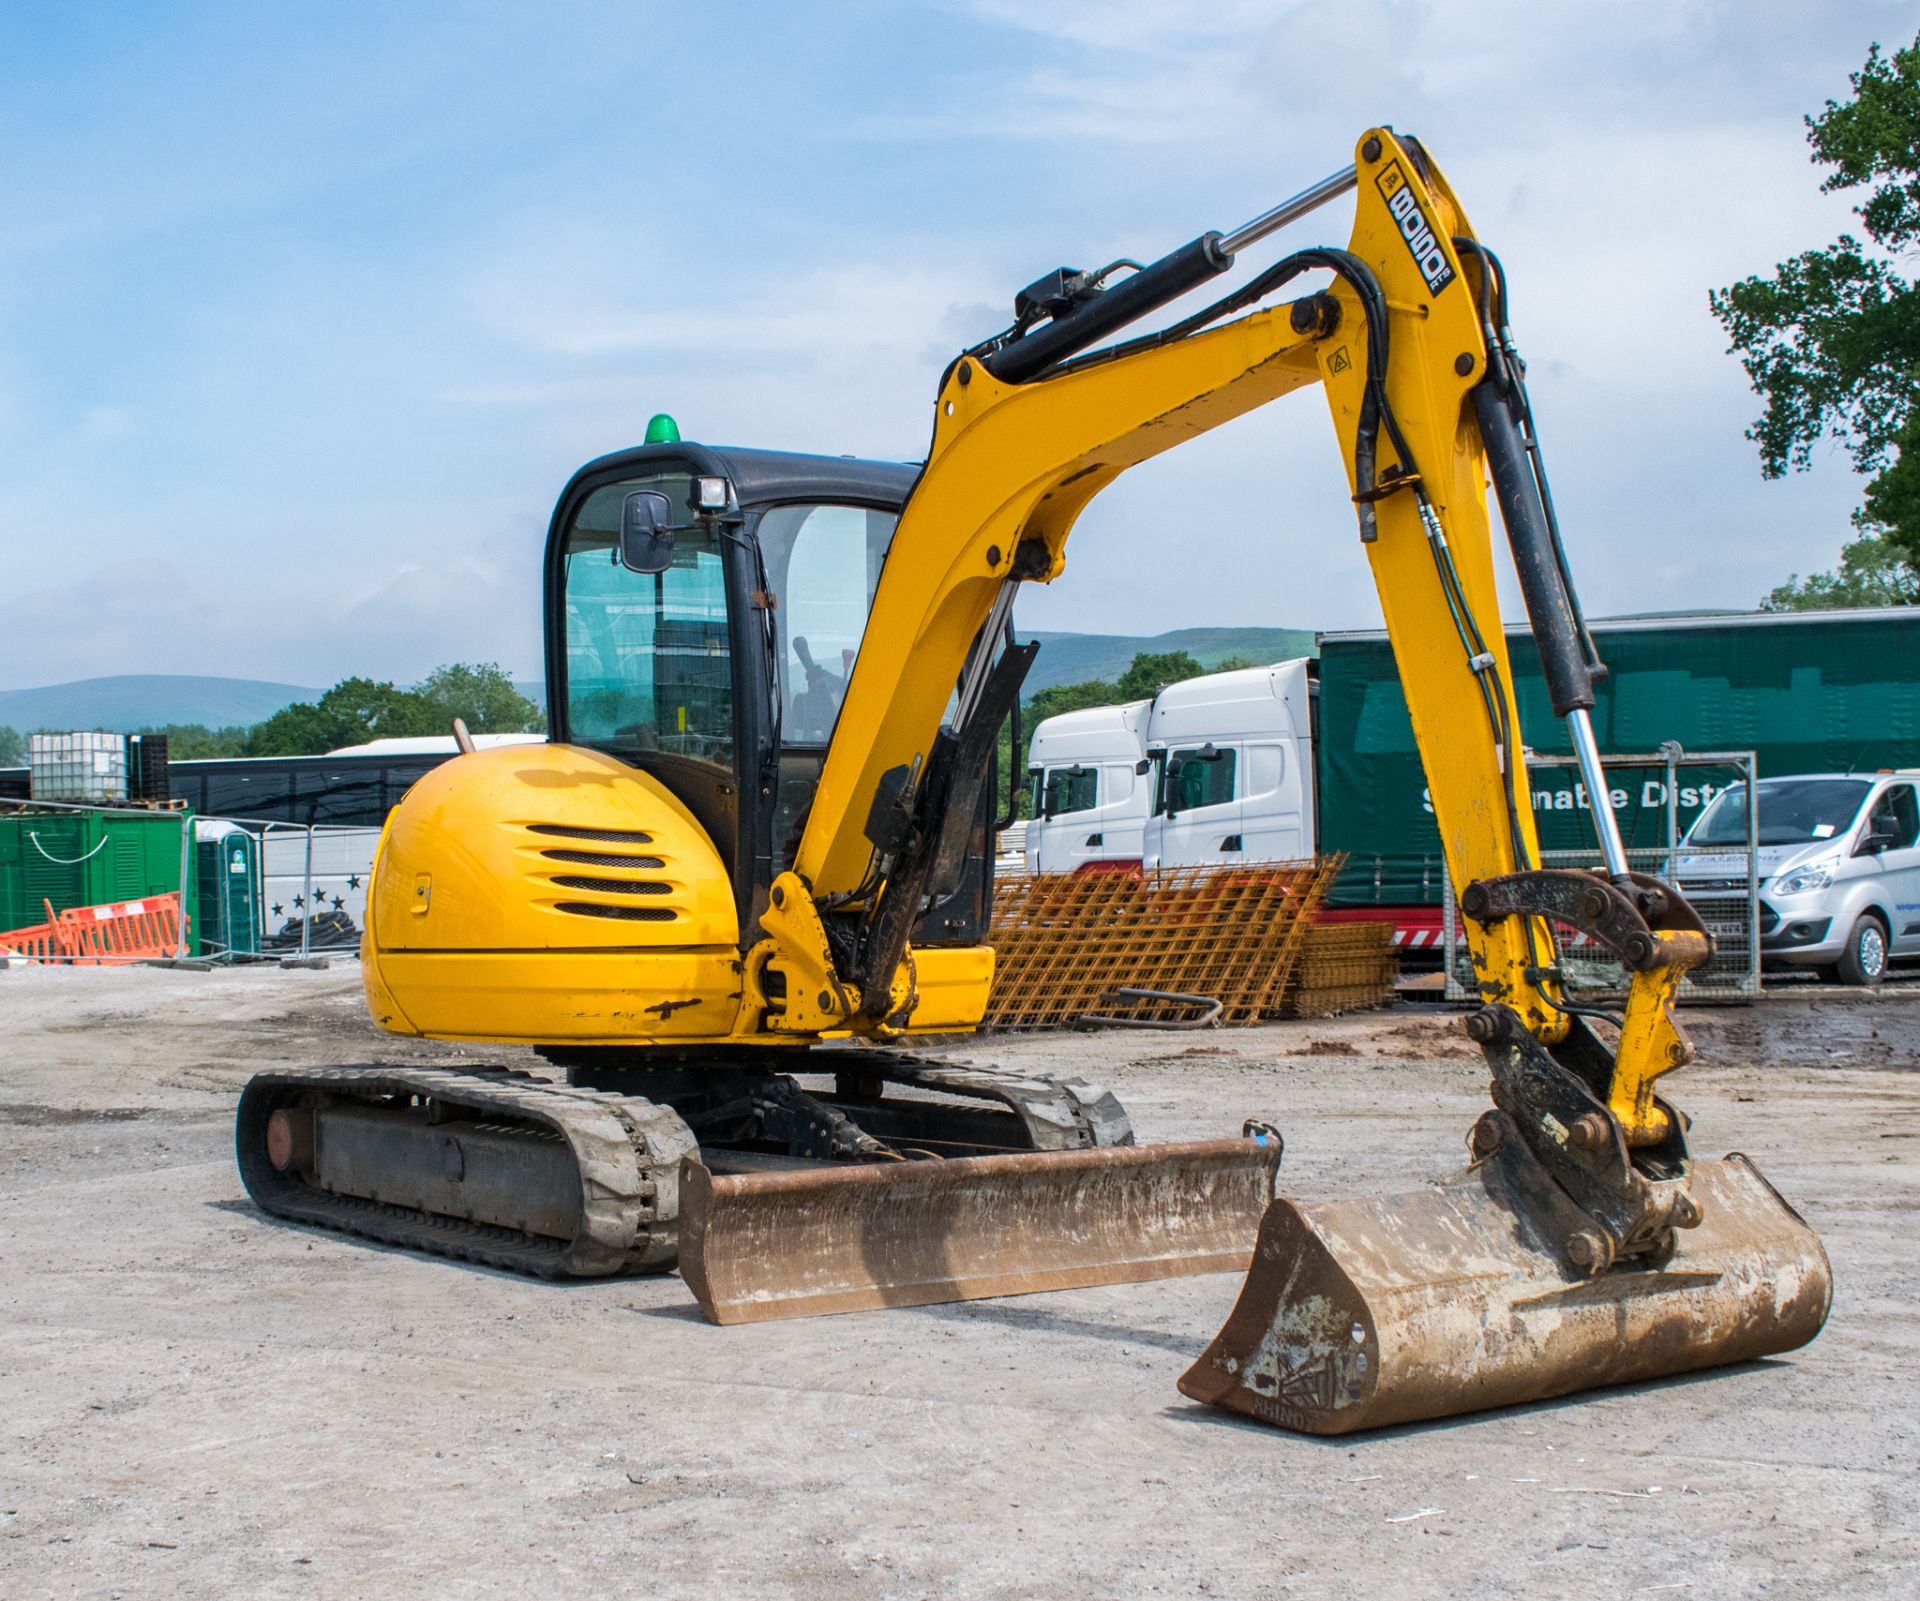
x=662 y=430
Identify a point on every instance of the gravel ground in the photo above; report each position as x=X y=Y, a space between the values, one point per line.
x=200 y=1402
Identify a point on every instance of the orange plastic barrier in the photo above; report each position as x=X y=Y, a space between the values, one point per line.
x=39 y=943
x=121 y=931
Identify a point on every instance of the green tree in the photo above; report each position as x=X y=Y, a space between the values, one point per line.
x=1058 y=698
x=1234 y=664
x=1871 y=573
x=13 y=747
x=483 y=696
x=1831 y=340
x=354 y=711
x=195 y=742
x=1152 y=671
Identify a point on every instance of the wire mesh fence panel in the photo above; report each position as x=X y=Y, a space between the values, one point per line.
x=1063 y=943
x=1726 y=897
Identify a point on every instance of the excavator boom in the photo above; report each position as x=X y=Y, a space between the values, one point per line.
x=1583 y=1245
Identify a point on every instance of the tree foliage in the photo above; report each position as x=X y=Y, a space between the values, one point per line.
x=1152 y=671
x=483 y=696
x=1831 y=340
x=1871 y=573
x=356 y=710
x=195 y=742
x=13 y=747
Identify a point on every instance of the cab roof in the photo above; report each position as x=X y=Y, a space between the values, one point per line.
x=769 y=475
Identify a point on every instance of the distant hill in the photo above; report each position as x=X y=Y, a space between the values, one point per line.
x=1075 y=658
x=147 y=700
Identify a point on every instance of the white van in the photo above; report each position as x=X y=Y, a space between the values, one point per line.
x=1839 y=866
x=1091 y=788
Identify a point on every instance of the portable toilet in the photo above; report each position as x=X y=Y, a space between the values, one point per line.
x=228 y=920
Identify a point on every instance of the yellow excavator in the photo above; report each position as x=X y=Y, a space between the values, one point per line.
x=752 y=868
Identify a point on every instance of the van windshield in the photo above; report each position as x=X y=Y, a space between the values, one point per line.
x=1793 y=811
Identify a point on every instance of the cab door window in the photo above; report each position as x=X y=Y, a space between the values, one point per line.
x=1195 y=777
x=649 y=667
x=1072 y=789
x=1897 y=814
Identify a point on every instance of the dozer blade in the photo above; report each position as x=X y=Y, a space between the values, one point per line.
x=759 y=1246
x=1359 y=1314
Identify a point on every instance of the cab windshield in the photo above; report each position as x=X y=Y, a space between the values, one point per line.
x=823 y=562
x=649 y=667
x=1793 y=811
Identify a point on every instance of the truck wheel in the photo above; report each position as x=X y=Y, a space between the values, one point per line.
x=1864 y=961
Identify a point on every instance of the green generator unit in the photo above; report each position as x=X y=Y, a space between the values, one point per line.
x=228 y=920
x=92 y=858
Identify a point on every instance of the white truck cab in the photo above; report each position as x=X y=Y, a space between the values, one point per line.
x=1232 y=757
x=1091 y=788
x=1839 y=866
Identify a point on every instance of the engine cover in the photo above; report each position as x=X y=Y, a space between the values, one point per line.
x=548 y=893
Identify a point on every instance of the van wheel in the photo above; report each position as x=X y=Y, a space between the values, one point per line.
x=1864 y=961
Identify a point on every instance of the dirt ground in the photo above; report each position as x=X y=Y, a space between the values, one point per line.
x=200 y=1402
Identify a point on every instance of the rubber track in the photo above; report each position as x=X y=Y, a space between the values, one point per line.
x=627 y=1150
x=1060 y=1114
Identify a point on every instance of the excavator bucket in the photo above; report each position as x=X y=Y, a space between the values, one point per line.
x=1359 y=1314
x=804 y=1243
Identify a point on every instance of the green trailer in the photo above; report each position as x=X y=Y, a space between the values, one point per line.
x=91 y=858
x=1807 y=692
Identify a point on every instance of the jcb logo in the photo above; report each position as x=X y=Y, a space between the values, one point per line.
x=1429 y=255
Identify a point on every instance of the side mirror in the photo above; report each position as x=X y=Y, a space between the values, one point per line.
x=1143 y=767
x=646 y=542
x=1875 y=844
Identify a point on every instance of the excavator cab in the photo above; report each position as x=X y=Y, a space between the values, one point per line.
x=721 y=674
x=718 y=663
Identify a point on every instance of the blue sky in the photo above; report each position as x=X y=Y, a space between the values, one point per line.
x=308 y=310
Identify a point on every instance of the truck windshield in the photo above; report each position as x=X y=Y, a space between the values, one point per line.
x=1793 y=811
x=648 y=663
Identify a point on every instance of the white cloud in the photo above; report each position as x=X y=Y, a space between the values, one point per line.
x=334 y=403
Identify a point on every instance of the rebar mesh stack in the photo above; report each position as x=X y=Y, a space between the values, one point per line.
x=1343 y=967
x=1235 y=934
